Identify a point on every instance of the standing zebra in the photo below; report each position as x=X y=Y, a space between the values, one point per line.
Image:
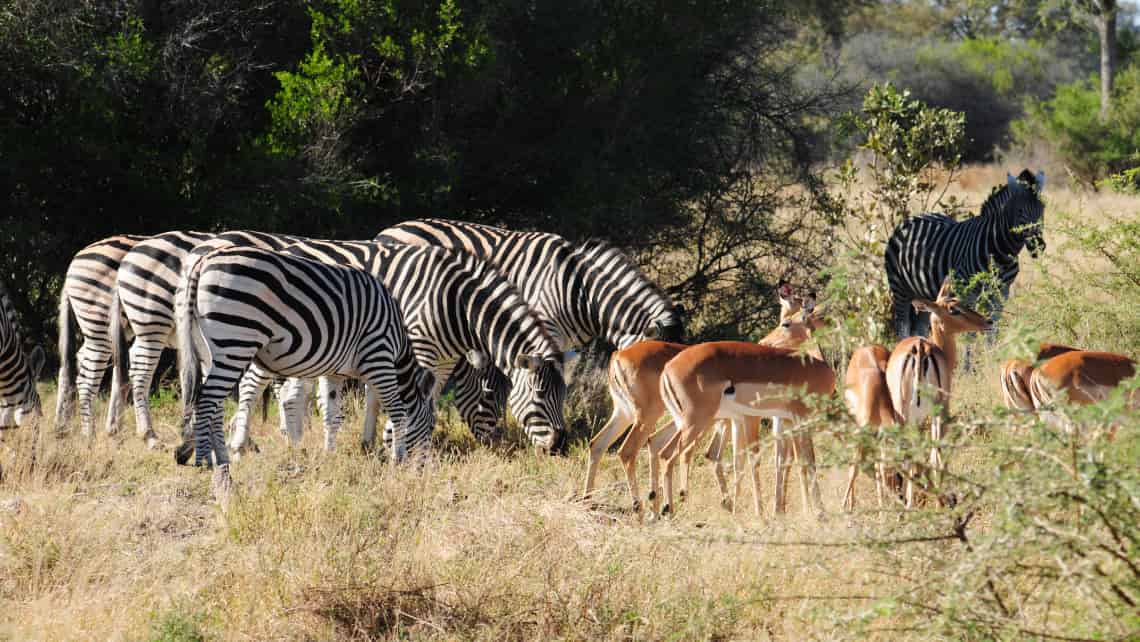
x=585 y=291
x=145 y=289
x=298 y=318
x=455 y=306
x=925 y=249
x=84 y=306
x=19 y=401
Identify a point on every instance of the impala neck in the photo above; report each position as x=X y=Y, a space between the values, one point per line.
x=946 y=342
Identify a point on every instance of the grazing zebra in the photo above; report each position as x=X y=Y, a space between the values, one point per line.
x=586 y=291
x=84 y=305
x=19 y=401
x=296 y=317
x=455 y=306
x=145 y=289
x=925 y=249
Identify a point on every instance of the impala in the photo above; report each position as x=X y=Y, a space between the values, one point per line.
x=868 y=398
x=1081 y=377
x=920 y=372
x=736 y=380
x=1015 y=375
x=633 y=381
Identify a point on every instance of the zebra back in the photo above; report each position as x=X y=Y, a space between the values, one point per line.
x=588 y=291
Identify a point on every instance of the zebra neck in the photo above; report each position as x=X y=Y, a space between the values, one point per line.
x=947 y=343
x=1006 y=244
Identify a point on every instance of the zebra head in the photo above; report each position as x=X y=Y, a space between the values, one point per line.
x=541 y=398
x=483 y=410
x=19 y=401
x=1025 y=211
x=419 y=406
x=669 y=326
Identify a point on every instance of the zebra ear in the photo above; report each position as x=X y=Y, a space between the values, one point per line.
x=1010 y=180
x=1040 y=181
x=36 y=362
x=528 y=362
x=652 y=332
x=478 y=359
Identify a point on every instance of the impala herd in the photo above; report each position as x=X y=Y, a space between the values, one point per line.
x=736 y=384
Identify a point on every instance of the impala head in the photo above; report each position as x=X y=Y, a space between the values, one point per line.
x=1025 y=211
x=543 y=395
x=948 y=311
x=798 y=319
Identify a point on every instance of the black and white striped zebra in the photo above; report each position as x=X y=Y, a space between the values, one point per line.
x=296 y=317
x=925 y=249
x=19 y=401
x=586 y=291
x=145 y=292
x=84 y=315
x=455 y=306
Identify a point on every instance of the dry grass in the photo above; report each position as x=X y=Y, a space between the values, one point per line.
x=106 y=540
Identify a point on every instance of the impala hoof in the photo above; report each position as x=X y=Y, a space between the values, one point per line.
x=726 y=503
x=681 y=496
x=182 y=454
x=666 y=510
x=652 y=495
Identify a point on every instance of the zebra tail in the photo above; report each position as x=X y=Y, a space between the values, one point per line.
x=68 y=328
x=189 y=364
x=119 y=350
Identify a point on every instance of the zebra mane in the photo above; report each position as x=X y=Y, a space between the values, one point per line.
x=1001 y=195
x=596 y=247
x=7 y=308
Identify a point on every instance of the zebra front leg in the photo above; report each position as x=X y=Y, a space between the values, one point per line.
x=330 y=392
x=253 y=383
x=293 y=396
x=371 y=416
x=902 y=313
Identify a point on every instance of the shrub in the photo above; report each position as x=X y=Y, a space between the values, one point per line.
x=1091 y=148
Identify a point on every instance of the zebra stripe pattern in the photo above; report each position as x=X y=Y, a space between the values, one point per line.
x=925 y=249
x=19 y=401
x=84 y=315
x=146 y=286
x=454 y=305
x=589 y=291
x=298 y=318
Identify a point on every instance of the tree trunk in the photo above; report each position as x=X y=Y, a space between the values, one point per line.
x=1106 y=29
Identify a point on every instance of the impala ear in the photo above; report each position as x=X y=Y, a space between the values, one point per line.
x=923 y=305
x=785 y=290
x=36 y=362
x=944 y=291
x=528 y=362
x=478 y=359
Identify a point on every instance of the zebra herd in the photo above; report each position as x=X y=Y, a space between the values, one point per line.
x=425 y=301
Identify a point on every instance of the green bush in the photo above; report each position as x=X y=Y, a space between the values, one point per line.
x=1069 y=122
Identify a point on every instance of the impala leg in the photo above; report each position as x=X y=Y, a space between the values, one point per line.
x=753 y=451
x=634 y=442
x=601 y=442
x=657 y=444
x=783 y=465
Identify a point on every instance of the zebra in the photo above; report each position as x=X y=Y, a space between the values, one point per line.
x=84 y=305
x=144 y=292
x=19 y=401
x=587 y=291
x=925 y=249
x=455 y=306
x=296 y=317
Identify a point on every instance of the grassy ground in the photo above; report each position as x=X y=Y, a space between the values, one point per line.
x=107 y=540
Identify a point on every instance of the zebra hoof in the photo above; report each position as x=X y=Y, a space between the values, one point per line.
x=151 y=440
x=182 y=454
x=680 y=496
x=666 y=510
